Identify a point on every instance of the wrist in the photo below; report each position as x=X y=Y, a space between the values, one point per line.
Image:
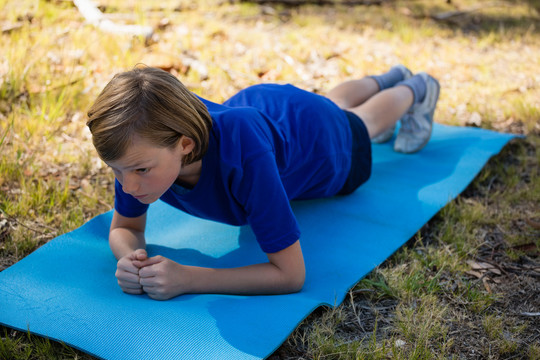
x=123 y=241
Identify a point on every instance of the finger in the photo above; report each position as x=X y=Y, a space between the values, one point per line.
x=152 y=291
x=133 y=291
x=125 y=287
x=127 y=266
x=160 y=297
x=150 y=281
x=127 y=276
x=149 y=271
x=129 y=285
x=156 y=294
x=140 y=254
x=149 y=261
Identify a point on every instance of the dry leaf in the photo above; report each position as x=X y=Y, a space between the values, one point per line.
x=405 y=11
x=533 y=223
x=479 y=265
x=161 y=60
x=475 y=120
x=269 y=75
x=483 y=267
x=486 y=285
x=474 y=273
x=86 y=186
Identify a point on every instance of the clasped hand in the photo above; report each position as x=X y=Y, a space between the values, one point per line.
x=159 y=277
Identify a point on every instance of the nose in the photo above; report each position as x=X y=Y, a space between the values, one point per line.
x=130 y=184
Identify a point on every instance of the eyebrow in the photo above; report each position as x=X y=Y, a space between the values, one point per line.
x=141 y=164
x=136 y=165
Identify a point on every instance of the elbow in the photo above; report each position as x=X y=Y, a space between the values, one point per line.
x=116 y=238
x=296 y=283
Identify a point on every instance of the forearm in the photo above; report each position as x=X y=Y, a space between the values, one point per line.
x=264 y=278
x=162 y=278
x=284 y=273
x=124 y=241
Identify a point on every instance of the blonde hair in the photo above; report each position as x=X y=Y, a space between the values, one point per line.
x=153 y=104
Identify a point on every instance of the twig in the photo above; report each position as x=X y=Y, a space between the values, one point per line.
x=98 y=200
x=491 y=181
x=42 y=90
x=95 y=17
x=353 y=305
x=11 y=218
x=356 y=291
x=530 y=313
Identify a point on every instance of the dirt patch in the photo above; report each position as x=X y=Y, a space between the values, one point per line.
x=7 y=261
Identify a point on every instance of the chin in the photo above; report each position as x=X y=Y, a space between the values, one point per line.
x=147 y=200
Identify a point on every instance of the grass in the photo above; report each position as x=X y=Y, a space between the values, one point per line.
x=421 y=303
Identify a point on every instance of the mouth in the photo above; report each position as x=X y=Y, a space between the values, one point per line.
x=139 y=197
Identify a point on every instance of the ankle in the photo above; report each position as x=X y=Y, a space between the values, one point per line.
x=418 y=87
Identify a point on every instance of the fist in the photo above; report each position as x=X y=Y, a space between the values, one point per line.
x=127 y=272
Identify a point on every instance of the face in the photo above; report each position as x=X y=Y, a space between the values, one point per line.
x=146 y=171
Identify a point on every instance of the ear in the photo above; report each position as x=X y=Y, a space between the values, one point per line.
x=185 y=145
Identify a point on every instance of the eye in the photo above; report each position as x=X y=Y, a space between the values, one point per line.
x=142 y=170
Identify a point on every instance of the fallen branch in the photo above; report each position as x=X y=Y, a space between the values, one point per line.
x=530 y=313
x=95 y=17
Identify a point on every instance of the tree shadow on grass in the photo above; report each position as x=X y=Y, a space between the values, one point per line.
x=480 y=18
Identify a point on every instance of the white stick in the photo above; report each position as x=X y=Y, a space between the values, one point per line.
x=95 y=17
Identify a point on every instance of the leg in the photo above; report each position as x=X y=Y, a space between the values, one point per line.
x=383 y=110
x=350 y=94
x=354 y=93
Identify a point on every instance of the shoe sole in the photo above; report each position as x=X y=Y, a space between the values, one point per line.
x=432 y=112
x=384 y=137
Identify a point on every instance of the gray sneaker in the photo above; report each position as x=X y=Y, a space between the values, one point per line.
x=387 y=135
x=417 y=123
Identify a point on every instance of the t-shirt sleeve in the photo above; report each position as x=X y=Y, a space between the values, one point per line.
x=125 y=204
x=260 y=190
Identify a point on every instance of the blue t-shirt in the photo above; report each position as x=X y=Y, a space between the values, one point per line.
x=269 y=144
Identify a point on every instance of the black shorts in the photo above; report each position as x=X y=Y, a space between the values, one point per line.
x=361 y=155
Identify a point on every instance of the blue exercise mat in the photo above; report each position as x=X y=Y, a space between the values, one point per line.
x=66 y=290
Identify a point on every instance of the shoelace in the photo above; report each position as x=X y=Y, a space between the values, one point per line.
x=408 y=124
